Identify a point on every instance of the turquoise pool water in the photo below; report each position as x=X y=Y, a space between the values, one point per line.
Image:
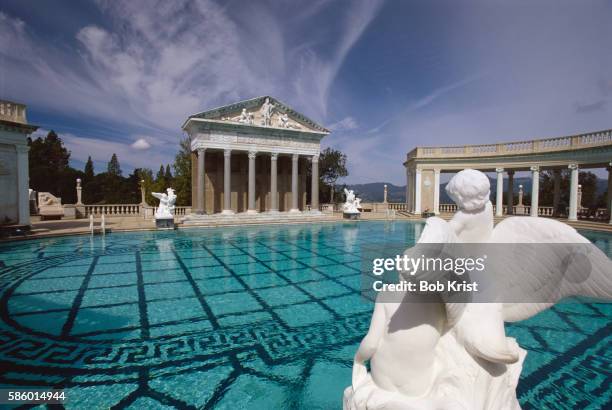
x=230 y=318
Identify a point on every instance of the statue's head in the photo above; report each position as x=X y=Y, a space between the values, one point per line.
x=170 y=191
x=470 y=189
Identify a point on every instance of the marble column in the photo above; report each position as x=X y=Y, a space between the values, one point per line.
x=294 y=183
x=556 y=191
x=251 y=200
x=535 y=189
x=436 y=187
x=573 y=202
x=201 y=206
x=227 y=182
x=499 y=193
x=23 y=185
x=417 y=191
x=510 y=193
x=314 y=187
x=274 y=182
x=143 y=200
x=609 y=198
x=79 y=192
x=408 y=189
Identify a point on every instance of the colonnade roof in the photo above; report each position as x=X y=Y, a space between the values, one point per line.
x=592 y=149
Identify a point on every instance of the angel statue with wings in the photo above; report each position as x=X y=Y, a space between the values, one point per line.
x=165 y=210
x=449 y=353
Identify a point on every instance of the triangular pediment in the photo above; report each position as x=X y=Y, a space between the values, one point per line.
x=263 y=111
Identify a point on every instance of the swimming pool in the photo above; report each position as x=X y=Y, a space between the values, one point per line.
x=228 y=318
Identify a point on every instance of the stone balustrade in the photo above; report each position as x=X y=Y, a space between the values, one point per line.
x=10 y=111
x=130 y=210
x=323 y=207
x=594 y=139
x=398 y=206
x=113 y=210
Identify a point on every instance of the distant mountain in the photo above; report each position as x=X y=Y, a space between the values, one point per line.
x=373 y=192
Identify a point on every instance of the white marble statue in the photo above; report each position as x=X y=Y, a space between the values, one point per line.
x=352 y=203
x=165 y=210
x=283 y=121
x=445 y=355
x=245 y=117
x=266 y=111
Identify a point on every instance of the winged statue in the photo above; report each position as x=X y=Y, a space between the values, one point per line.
x=453 y=354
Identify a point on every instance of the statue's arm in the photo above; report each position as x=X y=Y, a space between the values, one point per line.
x=369 y=344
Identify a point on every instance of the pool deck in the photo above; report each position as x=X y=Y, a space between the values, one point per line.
x=41 y=229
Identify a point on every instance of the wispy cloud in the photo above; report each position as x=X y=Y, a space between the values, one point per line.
x=150 y=65
x=345 y=124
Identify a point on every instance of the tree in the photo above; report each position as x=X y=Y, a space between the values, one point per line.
x=48 y=163
x=112 y=182
x=89 y=169
x=160 y=179
x=182 y=173
x=168 y=174
x=113 y=167
x=587 y=180
x=332 y=166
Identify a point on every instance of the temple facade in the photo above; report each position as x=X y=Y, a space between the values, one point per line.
x=252 y=157
x=14 y=174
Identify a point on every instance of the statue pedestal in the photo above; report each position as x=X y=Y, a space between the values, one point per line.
x=351 y=215
x=164 y=223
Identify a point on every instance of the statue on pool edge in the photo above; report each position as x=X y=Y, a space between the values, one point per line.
x=448 y=355
x=165 y=210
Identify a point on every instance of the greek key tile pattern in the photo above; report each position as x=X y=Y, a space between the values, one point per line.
x=257 y=318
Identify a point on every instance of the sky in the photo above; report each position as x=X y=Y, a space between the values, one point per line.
x=385 y=76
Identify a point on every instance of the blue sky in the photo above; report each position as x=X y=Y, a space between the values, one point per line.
x=385 y=76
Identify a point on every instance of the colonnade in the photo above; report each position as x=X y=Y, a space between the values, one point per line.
x=415 y=186
x=200 y=206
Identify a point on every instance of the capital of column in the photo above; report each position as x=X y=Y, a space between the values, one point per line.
x=535 y=168
x=437 y=171
x=609 y=167
x=573 y=167
x=252 y=154
x=274 y=156
x=418 y=170
x=295 y=157
x=227 y=152
x=22 y=149
x=499 y=170
x=315 y=159
x=510 y=172
x=201 y=151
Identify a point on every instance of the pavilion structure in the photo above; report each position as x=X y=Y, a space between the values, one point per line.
x=592 y=150
x=251 y=159
x=14 y=174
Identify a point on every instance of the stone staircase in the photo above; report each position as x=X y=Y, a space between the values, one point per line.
x=255 y=219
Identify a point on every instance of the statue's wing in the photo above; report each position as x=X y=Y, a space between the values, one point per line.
x=546 y=261
x=437 y=230
x=158 y=195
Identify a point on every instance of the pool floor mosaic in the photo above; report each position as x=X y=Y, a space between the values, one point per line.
x=254 y=318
